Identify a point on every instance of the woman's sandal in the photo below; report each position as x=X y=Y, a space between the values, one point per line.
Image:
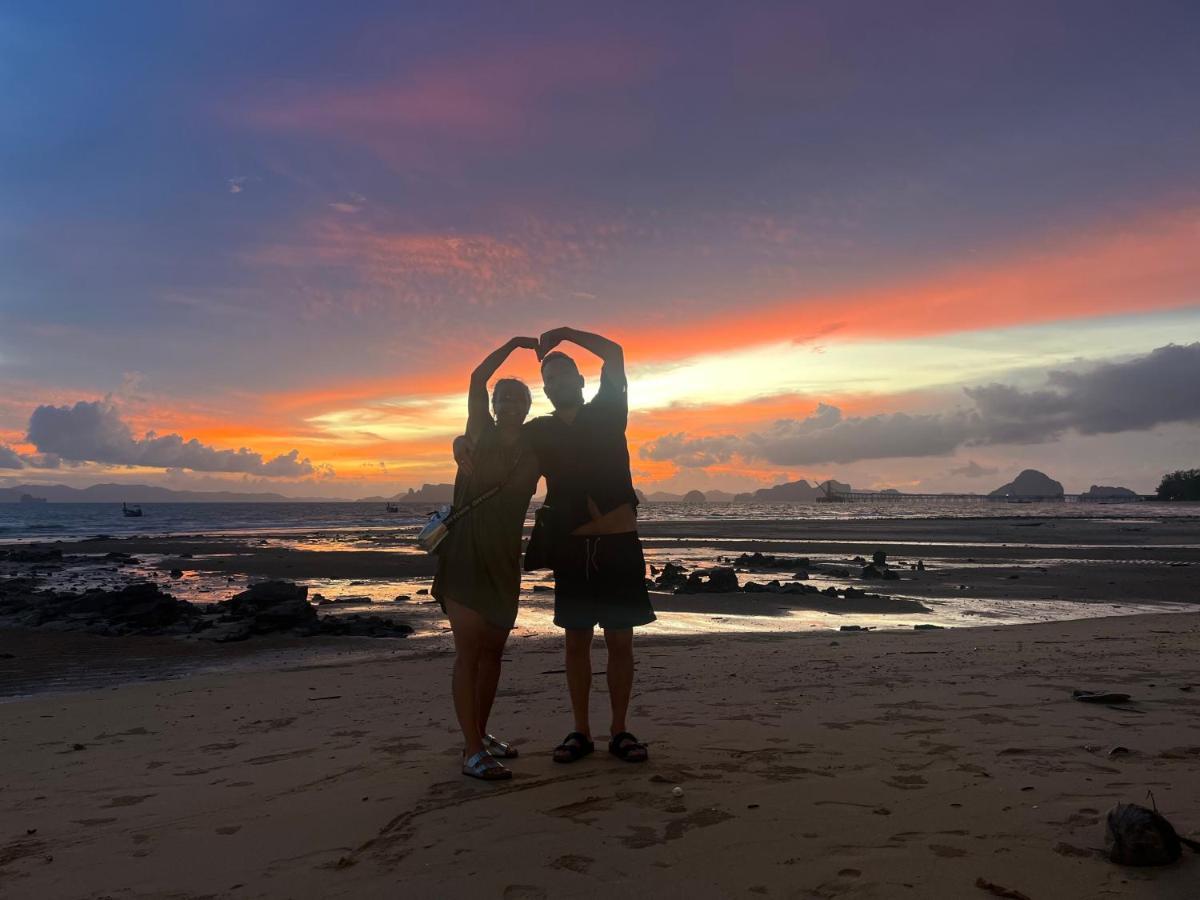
x=573 y=747
x=498 y=748
x=484 y=767
x=625 y=746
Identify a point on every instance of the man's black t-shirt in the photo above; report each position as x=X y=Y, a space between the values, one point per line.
x=587 y=458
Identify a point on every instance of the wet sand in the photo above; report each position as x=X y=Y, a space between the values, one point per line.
x=869 y=765
x=813 y=763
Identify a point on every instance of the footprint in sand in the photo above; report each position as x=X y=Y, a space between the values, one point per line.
x=127 y=800
x=229 y=829
x=572 y=863
x=906 y=782
x=524 y=892
x=946 y=852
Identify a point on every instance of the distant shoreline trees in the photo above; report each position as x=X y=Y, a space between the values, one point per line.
x=1181 y=485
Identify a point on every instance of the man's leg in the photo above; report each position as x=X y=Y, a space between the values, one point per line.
x=579 y=676
x=491 y=656
x=620 y=674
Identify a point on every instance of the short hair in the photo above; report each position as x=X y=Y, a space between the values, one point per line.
x=558 y=354
x=517 y=381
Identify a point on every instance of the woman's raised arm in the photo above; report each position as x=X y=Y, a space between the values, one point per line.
x=478 y=413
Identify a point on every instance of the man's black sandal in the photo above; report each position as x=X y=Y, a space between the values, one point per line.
x=573 y=747
x=625 y=746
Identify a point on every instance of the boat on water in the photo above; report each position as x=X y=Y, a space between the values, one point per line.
x=130 y=511
x=29 y=498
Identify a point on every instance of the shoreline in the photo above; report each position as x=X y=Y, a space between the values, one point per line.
x=874 y=765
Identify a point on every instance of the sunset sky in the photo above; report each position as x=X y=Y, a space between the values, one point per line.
x=924 y=245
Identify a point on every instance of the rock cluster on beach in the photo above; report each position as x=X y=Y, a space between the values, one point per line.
x=724 y=580
x=270 y=607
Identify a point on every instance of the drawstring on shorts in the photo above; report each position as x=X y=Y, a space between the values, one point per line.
x=591 y=553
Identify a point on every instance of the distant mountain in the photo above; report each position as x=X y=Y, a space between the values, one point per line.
x=1106 y=492
x=718 y=496
x=694 y=497
x=791 y=492
x=429 y=493
x=1030 y=483
x=833 y=486
x=642 y=498
x=664 y=497
x=143 y=493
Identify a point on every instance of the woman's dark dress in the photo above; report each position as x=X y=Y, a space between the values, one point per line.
x=479 y=562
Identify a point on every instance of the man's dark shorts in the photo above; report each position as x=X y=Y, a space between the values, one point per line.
x=601 y=580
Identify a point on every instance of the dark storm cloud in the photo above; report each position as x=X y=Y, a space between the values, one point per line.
x=9 y=458
x=1133 y=395
x=95 y=432
x=1161 y=387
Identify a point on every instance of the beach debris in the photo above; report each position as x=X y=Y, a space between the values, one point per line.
x=1100 y=696
x=856 y=628
x=677 y=791
x=997 y=890
x=1119 y=751
x=1137 y=836
x=926 y=626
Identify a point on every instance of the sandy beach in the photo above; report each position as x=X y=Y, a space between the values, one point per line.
x=855 y=765
x=894 y=762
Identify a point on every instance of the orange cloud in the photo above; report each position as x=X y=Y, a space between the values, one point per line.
x=1149 y=265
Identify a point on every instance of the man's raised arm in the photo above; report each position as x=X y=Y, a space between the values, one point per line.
x=608 y=351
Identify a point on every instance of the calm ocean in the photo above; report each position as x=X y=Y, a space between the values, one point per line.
x=67 y=521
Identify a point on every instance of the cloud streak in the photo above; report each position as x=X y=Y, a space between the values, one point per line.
x=1133 y=395
x=95 y=432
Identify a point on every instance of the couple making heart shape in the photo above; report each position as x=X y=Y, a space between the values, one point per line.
x=586 y=532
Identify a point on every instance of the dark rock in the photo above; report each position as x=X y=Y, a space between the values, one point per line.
x=1136 y=836
x=879 y=571
x=273 y=606
x=177 y=573
x=721 y=580
x=542 y=588
x=879 y=558
x=927 y=627
x=671 y=577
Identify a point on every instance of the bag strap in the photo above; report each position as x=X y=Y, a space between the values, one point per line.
x=486 y=495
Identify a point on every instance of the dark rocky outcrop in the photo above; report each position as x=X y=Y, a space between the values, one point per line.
x=271 y=607
x=1105 y=492
x=694 y=497
x=1030 y=484
x=721 y=580
x=767 y=561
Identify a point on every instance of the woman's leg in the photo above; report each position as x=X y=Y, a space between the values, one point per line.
x=469 y=629
x=491 y=656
